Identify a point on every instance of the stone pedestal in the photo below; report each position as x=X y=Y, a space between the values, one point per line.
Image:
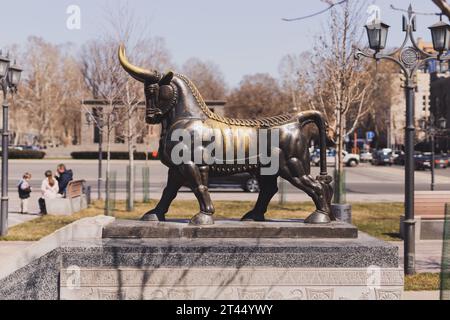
x=282 y=260
x=199 y=265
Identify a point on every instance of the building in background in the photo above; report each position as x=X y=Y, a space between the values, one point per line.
x=432 y=98
x=440 y=107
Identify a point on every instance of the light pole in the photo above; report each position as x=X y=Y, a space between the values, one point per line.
x=97 y=120
x=409 y=58
x=429 y=127
x=9 y=81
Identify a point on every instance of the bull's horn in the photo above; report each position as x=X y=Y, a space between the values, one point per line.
x=139 y=74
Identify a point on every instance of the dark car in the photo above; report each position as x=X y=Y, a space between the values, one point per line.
x=244 y=181
x=423 y=161
x=400 y=159
x=382 y=158
x=441 y=161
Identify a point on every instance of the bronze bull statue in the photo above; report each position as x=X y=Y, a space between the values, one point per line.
x=173 y=101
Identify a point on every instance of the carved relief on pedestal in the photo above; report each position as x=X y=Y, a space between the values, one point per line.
x=384 y=294
x=319 y=294
x=255 y=294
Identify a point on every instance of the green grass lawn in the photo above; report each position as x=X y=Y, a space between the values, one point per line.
x=423 y=282
x=380 y=220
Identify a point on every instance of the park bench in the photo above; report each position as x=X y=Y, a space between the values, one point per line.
x=429 y=212
x=74 y=201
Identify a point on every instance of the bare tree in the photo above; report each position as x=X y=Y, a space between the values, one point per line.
x=48 y=101
x=258 y=95
x=380 y=98
x=207 y=77
x=147 y=51
x=341 y=84
x=444 y=6
x=108 y=81
x=294 y=73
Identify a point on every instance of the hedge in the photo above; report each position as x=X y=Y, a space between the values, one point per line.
x=89 y=155
x=25 y=154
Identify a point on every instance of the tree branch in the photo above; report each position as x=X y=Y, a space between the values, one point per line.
x=444 y=6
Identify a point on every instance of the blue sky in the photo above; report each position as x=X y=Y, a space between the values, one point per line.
x=241 y=36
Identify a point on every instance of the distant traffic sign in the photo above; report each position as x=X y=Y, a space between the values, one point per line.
x=370 y=135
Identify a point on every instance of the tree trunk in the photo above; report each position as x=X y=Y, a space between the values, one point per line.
x=131 y=184
x=108 y=172
x=339 y=190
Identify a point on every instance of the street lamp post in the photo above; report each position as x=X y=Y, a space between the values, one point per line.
x=409 y=58
x=430 y=129
x=9 y=81
x=98 y=122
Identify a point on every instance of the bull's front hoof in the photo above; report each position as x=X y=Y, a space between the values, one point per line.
x=253 y=217
x=202 y=219
x=153 y=217
x=318 y=217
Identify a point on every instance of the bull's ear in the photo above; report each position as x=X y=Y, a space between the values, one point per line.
x=165 y=81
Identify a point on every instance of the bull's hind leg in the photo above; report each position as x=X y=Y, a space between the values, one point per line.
x=197 y=177
x=268 y=188
x=318 y=189
x=174 y=183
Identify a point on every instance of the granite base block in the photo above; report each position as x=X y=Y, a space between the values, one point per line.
x=37 y=281
x=363 y=252
x=224 y=229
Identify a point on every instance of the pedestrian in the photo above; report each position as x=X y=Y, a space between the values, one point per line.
x=24 y=190
x=49 y=190
x=64 y=177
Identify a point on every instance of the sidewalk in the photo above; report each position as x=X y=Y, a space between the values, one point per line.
x=15 y=219
x=421 y=295
x=11 y=247
x=428 y=255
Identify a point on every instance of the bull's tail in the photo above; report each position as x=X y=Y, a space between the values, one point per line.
x=318 y=119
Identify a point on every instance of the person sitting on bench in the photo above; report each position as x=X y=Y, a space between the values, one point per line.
x=64 y=177
x=49 y=189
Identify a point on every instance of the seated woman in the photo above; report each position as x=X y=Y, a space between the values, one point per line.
x=49 y=189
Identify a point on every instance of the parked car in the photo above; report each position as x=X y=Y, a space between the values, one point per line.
x=399 y=158
x=244 y=181
x=423 y=161
x=25 y=147
x=366 y=157
x=350 y=159
x=441 y=161
x=396 y=154
x=383 y=158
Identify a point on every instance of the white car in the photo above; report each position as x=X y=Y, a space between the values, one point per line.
x=350 y=159
x=366 y=157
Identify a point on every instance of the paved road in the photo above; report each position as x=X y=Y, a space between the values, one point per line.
x=362 y=179
x=365 y=183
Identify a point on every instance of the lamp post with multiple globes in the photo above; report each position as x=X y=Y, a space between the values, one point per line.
x=409 y=57
x=9 y=82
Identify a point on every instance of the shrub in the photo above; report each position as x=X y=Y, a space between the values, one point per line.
x=92 y=155
x=25 y=154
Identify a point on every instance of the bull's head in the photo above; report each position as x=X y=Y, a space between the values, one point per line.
x=160 y=95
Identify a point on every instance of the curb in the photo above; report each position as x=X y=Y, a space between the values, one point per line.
x=87 y=228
